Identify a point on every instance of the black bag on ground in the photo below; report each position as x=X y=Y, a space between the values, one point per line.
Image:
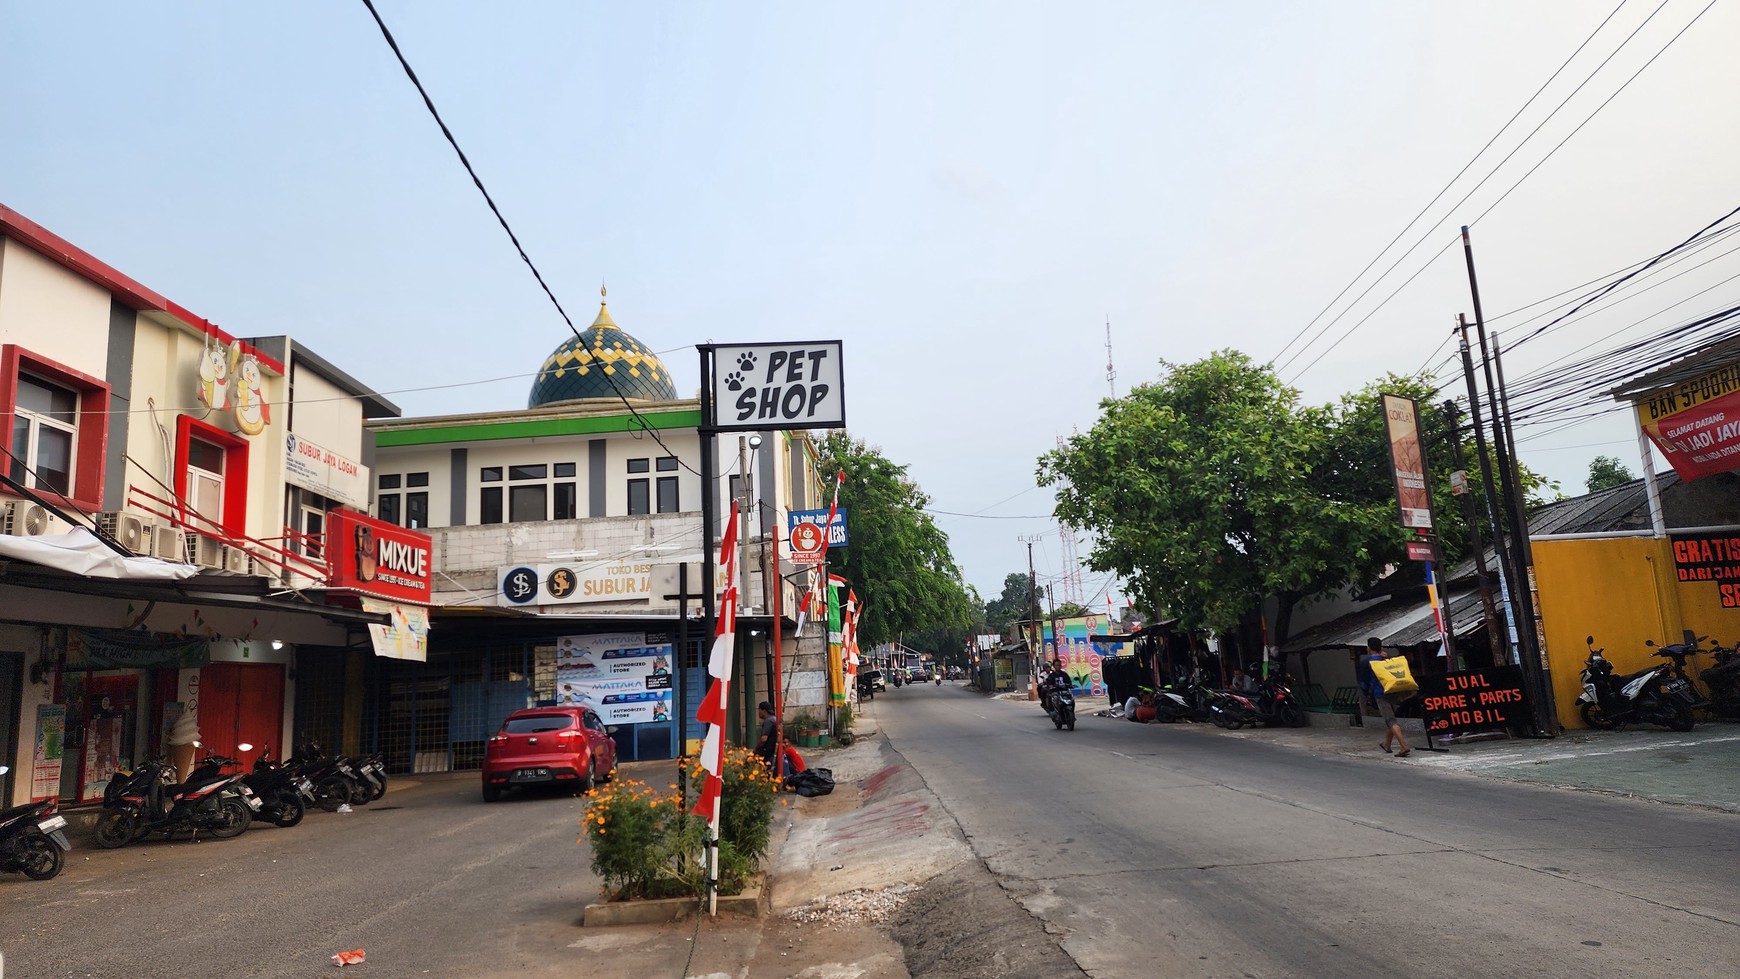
x=811 y=782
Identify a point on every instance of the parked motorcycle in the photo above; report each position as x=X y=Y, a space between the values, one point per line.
x=149 y=800
x=1610 y=702
x=1723 y=682
x=335 y=781
x=32 y=839
x=1680 y=687
x=1274 y=701
x=271 y=793
x=1232 y=710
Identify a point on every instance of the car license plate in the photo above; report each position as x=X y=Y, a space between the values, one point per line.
x=52 y=823
x=531 y=774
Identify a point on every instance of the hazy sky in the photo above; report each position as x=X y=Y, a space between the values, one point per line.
x=962 y=192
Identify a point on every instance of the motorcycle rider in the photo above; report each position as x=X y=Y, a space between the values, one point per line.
x=1052 y=678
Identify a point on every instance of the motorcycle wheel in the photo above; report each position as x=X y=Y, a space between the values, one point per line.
x=331 y=792
x=235 y=818
x=1597 y=718
x=116 y=829
x=290 y=808
x=42 y=860
x=1071 y=722
x=1681 y=720
x=1292 y=716
x=382 y=791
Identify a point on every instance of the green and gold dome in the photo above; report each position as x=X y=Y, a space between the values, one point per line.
x=602 y=362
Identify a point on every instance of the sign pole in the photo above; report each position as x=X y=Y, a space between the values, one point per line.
x=682 y=683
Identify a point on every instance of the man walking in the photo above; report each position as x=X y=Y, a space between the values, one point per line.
x=1386 y=707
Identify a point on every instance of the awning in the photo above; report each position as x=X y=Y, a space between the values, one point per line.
x=80 y=552
x=1406 y=621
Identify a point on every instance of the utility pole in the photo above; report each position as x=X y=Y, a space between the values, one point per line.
x=1471 y=516
x=1056 y=633
x=1036 y=646
x=1534 y=675
x=1506 y=572
x=1539 y=633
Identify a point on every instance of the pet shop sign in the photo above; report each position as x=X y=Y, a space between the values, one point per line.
x=321 y=470
x=232 y=381
x=772 y=386
x=377 y=558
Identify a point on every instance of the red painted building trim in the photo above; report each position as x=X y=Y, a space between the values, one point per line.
x=235 y=520
x=92 y=423
x=128 y=292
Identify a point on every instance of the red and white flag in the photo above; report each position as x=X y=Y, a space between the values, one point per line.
x=719 y=661
x=816 y=593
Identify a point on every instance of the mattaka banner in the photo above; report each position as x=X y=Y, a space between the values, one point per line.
x=624 y=676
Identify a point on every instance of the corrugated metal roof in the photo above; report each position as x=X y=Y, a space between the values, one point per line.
x=1398 y=622
x=1719 y=354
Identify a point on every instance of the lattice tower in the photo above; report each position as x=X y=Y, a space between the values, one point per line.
x=1069 y=584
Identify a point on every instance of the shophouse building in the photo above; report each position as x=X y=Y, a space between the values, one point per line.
x=163 y=521
x=558 y=531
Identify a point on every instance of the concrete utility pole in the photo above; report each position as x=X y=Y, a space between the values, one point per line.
x=1036 y=646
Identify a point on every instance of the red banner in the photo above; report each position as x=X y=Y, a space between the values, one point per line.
x=378 y=558
x=1700 y=440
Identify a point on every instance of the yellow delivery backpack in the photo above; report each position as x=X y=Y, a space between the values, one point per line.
x=1393 y=674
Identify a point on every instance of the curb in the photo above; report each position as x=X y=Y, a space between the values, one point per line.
x=668 y=909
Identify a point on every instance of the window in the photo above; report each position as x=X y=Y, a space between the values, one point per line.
x=387 y=507
x=55 y=438
x=518 y=473
x=489 y=504
x=528 y=503
x=314 y=528
x=667 y=464
x=211 y=478
x=567 y=502
x=489 y=474
x=637 y=497
x=566 y=470
x=668 y=494
x=637 y=465
x=390 y=481
x=417 y=479
x=415 y=509
x=537 y=724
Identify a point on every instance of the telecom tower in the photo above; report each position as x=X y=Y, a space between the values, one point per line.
x=1070 y=580
x=1111 y=373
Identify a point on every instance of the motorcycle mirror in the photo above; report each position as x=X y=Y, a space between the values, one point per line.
x=197 y=744
x=4 y=769
x=1650 y=643
x=1589 y=640
x=244 y=746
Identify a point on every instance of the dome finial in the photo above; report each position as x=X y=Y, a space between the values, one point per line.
x=603 y=296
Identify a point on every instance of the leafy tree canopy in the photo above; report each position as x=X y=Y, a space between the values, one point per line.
x=1011 y=606
x=1606 y=472
x=899 y=561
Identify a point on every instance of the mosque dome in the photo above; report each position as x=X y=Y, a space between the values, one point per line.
x=601 y=363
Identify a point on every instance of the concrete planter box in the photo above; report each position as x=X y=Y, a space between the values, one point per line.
x=607 y=913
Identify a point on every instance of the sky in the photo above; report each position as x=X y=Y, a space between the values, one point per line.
x=964 y=194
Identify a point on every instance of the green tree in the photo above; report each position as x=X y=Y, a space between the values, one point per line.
x=1011 y=606
x=898 y=560
x=1606 y=472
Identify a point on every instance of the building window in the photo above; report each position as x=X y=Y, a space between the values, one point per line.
x=566 y=469
x=637 y=497
x=668 y=494
x=55 y=438
x=489 y=505
x=417 y=510
x=489 y=474
x=567 y=502
x=412 y=510
x=667 y=464
x=528 y=502
x=211 y=479
x=638 y=465
x=313 y=531
x=521 y=473
x=387 y=507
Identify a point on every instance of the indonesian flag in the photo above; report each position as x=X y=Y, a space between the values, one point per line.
x=851 y=631
x=712 y=709
x=814 y=595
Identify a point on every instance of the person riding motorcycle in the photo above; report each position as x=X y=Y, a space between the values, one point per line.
x=1052 y=677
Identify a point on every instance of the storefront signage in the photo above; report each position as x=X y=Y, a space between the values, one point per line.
x=1696 y=423
x=406 y=636
x=50 y=752
x=624 y=676
x=1473 y=700
x=377 y=558
x=1408 y=461
x=118 y=649
x=1419 y=550
x=1710 y=557
x=318 y=469
x=771 y=386
x=575 y=584
x=231 y=381
x=817 y=518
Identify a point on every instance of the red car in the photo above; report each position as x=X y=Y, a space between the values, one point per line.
x=548 y=746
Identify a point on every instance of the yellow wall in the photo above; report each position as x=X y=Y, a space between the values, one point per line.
x=1622 y=591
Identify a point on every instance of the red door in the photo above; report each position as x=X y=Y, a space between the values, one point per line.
x=241 y=702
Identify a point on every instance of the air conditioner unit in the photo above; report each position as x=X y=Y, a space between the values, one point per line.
x=238 y=561
x=166 y=543
x=23 y=518
x=204 y=551
x=132 y=531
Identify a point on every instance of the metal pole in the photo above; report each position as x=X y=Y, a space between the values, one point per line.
x=776 y=691
x=682 y=683
x=1657 y=522
x=1506 y=574
x=1531 y=594
x=1471 y=516
x=709 y=601
x=1037 y=648
x=745 y=692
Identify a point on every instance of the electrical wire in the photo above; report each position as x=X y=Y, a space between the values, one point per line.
x=429 y=103
x=1436 y=197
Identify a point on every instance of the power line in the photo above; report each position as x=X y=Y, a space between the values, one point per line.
x=429 y=103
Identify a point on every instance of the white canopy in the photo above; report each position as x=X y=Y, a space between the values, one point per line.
x=80 y=552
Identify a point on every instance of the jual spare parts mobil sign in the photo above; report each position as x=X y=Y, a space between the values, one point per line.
x=377 y=558
x=1696 y=423
x=771 y=386
x=1408 y=459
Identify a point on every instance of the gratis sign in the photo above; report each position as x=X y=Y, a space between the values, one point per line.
x=773 y=386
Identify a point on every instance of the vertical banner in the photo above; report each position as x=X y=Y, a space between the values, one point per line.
x=50 y=750
x=836 y=664
x=1408 y=461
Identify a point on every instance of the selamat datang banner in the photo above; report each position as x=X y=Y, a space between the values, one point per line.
x=1696 y=423
x=1408 y=461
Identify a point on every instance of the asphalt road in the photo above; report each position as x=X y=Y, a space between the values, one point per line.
x=429 y=881
x=1152 y=850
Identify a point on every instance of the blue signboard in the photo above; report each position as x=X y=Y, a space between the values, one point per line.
x=836 y=535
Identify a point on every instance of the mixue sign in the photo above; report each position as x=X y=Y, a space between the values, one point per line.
x=770 y=386
x=377 y=558
x=1473 y=700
